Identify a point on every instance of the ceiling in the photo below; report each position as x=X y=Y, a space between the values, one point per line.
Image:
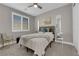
x=34 y=11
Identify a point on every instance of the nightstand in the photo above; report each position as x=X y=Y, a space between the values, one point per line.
x=17 y=39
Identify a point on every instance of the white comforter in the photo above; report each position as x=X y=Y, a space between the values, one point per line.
x=37 y=42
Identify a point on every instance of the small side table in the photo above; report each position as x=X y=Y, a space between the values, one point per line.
x=60 y=39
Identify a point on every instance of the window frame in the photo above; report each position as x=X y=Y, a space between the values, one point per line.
x=13 y=13
x=22 y=24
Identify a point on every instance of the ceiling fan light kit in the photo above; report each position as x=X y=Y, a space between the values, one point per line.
x=35 y=5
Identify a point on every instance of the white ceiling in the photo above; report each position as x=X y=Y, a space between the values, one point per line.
x=34 y=11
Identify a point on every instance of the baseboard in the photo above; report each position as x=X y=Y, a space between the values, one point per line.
x=68 y=43
x=77 y=49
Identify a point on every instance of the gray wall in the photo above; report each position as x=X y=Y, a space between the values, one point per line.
x=66 y=13
x=6 y=21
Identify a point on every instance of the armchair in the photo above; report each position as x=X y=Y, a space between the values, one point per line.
x=5 y=39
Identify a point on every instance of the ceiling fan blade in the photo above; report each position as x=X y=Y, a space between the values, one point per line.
x=25 y=8
x=39 y=7
x=30 y=6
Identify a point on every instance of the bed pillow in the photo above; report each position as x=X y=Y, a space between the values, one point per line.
x=43 y=30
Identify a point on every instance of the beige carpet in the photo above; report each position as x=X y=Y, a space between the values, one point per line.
x=56 y=49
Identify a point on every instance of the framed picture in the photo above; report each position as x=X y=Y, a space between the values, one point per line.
x=45 y=21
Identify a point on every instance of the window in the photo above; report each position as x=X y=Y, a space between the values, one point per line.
x=25 y=24
x=19 y=22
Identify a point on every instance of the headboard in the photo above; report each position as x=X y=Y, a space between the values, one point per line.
x=47 y=29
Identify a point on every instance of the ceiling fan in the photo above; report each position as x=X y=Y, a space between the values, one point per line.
x=35 y=5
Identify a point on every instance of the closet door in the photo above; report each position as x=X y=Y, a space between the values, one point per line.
x=78 y=27
x=75 y=25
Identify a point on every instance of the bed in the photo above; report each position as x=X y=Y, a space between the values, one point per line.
x=37 y=41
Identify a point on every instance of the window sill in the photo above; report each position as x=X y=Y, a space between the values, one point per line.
x=19 y=30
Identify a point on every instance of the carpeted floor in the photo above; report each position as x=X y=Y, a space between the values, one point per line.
x=57 y=49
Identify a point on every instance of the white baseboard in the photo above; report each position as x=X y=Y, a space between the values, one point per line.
x=63 y=42
x=77 y=49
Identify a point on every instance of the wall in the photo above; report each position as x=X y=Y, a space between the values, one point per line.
x=6 y=21
x=66 y=13
x=76 y=26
